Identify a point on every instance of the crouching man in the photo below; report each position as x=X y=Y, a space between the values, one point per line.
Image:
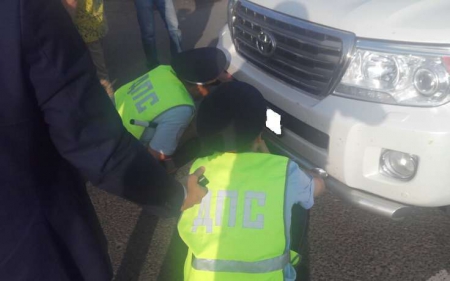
x=157 y=107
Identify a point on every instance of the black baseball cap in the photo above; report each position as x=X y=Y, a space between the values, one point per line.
x=199 y=66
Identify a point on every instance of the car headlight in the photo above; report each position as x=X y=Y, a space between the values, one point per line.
x=397 y=74
x=231 y=17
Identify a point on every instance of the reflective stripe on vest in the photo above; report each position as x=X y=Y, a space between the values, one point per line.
x=150 y=95
x=263 y=266
x=245 y=201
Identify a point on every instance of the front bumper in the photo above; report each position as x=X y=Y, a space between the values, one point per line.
x=363 y=200
x=358 y=131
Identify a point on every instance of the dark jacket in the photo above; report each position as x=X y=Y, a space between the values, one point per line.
x=55 y=122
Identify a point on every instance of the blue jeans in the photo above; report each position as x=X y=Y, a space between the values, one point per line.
x=146 y=21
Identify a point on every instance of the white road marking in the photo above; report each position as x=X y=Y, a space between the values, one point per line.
x=440 y=276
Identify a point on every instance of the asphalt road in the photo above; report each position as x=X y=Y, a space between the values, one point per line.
x=345 y=243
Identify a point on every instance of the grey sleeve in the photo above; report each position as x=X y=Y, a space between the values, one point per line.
x=299 y=187
x=171 y=125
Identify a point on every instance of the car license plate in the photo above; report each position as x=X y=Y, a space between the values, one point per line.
x=273 y=122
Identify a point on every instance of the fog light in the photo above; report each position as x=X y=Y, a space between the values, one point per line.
x=399 y=165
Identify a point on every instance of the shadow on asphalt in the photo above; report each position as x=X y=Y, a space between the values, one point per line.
x=137 y=248
x=172 y=267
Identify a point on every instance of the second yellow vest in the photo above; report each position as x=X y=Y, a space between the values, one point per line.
x=149 y=96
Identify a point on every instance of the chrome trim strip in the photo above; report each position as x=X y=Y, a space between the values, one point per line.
x=403 y=48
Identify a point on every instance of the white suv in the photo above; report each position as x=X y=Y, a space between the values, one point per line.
x=362 y=88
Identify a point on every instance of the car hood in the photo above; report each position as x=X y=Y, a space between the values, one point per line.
x=421 y=21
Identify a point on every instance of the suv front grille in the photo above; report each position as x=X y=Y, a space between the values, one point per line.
x=305 y=55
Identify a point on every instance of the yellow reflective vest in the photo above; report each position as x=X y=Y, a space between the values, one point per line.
x=149 y=96
x=238 y=232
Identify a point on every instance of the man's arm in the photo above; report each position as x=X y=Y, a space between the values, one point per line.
x=171 y=125
x=81 y=120
x=301 y=187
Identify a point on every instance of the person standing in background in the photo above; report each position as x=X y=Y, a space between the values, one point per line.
x=89 y=18
x=144 y=9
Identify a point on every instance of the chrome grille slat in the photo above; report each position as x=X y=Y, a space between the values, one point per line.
x=273 y=64
x=287 y=33
x=307 y=66
x=313 y=88
x=330 y=60
x=306 y=55
x=248 y=44
x=314 y=73
x=299 y=53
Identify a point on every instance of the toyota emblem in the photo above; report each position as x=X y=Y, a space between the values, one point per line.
x=266 y=43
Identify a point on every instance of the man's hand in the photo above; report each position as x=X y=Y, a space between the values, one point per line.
x=225 y=77
x=195 y=192
x=319 y=183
